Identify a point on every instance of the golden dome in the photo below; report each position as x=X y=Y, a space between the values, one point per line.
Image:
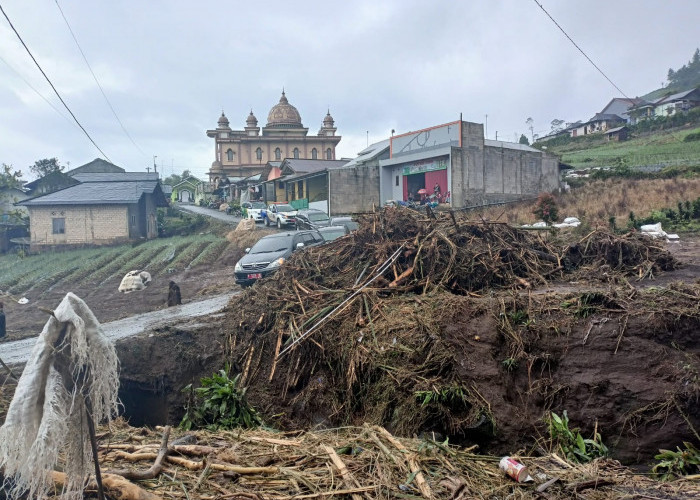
x=284 y=115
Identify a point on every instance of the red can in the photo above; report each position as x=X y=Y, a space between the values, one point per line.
x=514 y=469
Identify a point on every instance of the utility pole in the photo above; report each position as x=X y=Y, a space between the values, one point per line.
x=154 y=163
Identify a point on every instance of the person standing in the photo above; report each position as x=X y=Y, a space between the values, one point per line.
x=2 y=320
x=174 y=298
x=436 y=189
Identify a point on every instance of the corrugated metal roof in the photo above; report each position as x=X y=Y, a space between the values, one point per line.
x=303 y=165
x=115 y=176
x=96 y=193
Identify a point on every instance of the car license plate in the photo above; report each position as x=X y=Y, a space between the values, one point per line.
x=254 y=276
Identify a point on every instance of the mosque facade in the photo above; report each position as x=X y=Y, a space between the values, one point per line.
x=242 y=153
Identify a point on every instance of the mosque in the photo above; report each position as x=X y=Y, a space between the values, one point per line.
x=242 y=153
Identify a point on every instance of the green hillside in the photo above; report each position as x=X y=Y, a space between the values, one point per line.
x=664 y=148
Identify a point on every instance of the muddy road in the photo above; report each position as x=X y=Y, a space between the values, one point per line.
x=18 y=352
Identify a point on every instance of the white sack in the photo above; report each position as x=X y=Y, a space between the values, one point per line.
x=46 y=418
x=134 y=281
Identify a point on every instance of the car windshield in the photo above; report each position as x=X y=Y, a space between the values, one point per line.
x=316 y=217
x=276 y=244
x=285 y=208
x=258 y=204
x=333 y=234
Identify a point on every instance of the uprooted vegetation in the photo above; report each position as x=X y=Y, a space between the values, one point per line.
x=459 y=338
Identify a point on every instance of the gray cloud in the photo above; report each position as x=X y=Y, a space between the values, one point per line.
x=170 y=67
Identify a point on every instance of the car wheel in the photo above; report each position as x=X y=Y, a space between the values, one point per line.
x=279 y=224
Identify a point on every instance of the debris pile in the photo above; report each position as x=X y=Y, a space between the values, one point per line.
x=424 y=324
x=359 y=462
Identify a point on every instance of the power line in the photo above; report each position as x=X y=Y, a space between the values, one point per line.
x=581 y=50
x=96 y=81
x=36 y=91
x=52 y=86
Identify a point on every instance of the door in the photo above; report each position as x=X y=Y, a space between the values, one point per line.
x=185 y=196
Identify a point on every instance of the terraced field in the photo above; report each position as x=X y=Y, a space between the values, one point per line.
x=201 y=264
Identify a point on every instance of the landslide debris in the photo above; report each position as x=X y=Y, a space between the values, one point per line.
x=459 y=336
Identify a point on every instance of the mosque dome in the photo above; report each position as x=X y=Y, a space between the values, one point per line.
x=284 y=115
x=251 y=121
x=223 y=121
x=328 y=120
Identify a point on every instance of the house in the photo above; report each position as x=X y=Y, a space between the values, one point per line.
x=301 y=182
x=681 y=102
x=8 y=197
x=620 y=106
x=101 y=208
x=184 y=191
x=49 y=183
x=616 y=134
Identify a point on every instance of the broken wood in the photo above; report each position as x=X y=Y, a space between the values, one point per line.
x=348 y=478
x=157 y=466
x=116 y=486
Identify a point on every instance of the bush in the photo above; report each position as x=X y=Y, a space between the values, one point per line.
x=571 y=444
x=692 y=137
x=220 y=403
x=546 y=208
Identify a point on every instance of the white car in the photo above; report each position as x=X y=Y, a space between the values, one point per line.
x=254 y=210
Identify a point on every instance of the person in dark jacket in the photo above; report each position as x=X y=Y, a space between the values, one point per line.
x=2 y=320
x=174 y=298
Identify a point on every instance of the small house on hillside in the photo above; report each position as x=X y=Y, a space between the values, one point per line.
x=101 y=208
x=616 y=134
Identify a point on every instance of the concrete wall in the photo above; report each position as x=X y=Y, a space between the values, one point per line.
x=84 y=224
x=487 y=174
x=354 y=189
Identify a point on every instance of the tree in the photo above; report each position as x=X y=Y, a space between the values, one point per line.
x=546 y=208
x=44 y=167
x=557 y=125
x=174 y=179
x=531 y=125
x=10 y=178
x=523 y=140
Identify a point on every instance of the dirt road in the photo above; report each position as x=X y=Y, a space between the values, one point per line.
x=18 y=351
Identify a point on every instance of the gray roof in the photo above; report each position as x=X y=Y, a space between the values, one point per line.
x=510 y=145
x=370 y=152
x=96 y=165
x=674 y=97
x=613 y=130
x=98 y=193
x=115 y=176
x=306 y=166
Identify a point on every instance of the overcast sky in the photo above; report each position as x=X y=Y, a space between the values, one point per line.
x=170 y=67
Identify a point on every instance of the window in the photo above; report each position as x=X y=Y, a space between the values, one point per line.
x=133 y=220
x=314 y=154
x=229 y=155
x=296 y=152
x=329 y=154
x=281 y=185
x=258 y=154
x=278 y=154
x=59 y=225
x=397 y=180
x=300 y=188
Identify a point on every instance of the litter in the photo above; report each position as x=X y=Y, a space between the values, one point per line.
x=134 y=281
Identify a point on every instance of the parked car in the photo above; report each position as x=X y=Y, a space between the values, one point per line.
x=331 y=233
x=344 y=220
x=311 y=218
x=254 y=210
x=280 y=215
x=270 y=252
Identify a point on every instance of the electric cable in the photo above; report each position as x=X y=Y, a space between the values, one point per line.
x=97 y=82
x=581 y=50
x=52 y=85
